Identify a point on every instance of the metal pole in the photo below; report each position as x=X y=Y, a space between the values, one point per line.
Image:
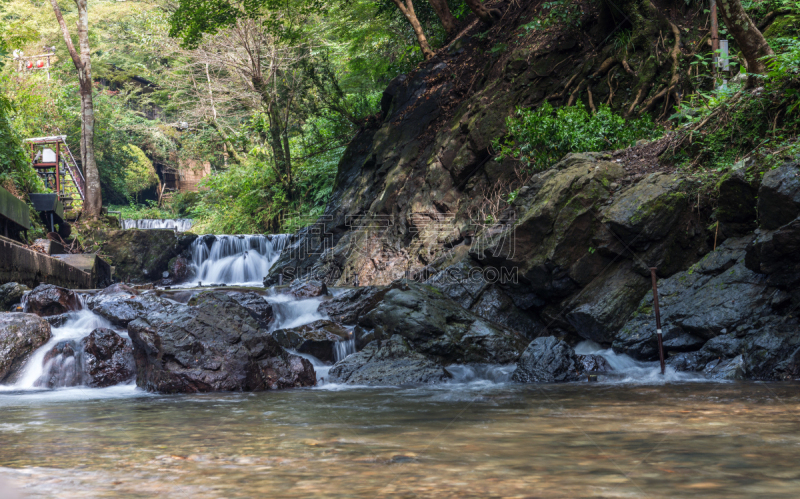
x=658 y=318
x=714 y=35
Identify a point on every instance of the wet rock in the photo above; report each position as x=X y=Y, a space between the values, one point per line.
x=773 y=351
x=547 y=360
x=387 y=362
x=179 y=268
x=11 y=294
x=107 y=359
x=779 y=196
x=258 y=308
x=593 y=363
x=60 y=320
x=20 y=335
x=436 y=326
x=214 y=346
x=727 y=369
x=308 y=289
x=62 y=366
x=318 y=338
x=603 y=307
x=465 y=283
x=703 y=301
x=777 y=253
x=47 y=299
x=120 y=304
x=349 y=306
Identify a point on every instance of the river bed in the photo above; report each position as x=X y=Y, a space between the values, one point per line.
x=478 y=439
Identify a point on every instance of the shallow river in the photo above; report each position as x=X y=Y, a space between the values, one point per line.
x=474 y=439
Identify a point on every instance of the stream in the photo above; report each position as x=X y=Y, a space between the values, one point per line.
x=633 y=434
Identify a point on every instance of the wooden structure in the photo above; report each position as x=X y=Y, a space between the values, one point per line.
x=53 y=161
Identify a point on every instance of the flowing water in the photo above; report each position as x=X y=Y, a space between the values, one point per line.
x=633 y=434
x=178 y=224
x=242 y=259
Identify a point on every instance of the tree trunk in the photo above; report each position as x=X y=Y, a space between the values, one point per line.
x=443 y=11
x=747 y=36
x=407 y=8
x=480 y=10
x=94 y=199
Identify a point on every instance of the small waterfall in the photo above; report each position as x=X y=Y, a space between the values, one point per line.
x=342 y=349
x=42 y=371
x=290 y=312
x=235 y=259
x=629 y=370
x=178 y=224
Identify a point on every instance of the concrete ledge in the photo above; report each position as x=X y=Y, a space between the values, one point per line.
x=19 y=264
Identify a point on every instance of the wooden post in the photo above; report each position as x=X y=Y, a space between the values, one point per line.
x=658 y=319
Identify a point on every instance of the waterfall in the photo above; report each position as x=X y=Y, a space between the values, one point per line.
x=243 y=259
x=40 y=371
x=178 y=224
x=342 y=349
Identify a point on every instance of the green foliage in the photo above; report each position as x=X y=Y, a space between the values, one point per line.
x=556 y=12
x=15 y=170
x=139 y=171
x=540 y=137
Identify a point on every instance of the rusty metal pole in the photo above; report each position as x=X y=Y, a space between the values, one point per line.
x=714 y=35
x=658 y=318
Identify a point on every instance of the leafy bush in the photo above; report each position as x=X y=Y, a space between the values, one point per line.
x=16 y=173
x=540 y=137
x=139 y=171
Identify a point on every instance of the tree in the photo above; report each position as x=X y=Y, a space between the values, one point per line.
x=445 y=16
x=94 y=198
x=407 y=8
x=749 y=39
x=139 y=171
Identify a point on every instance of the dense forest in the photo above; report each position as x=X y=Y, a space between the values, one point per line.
x=270 y=93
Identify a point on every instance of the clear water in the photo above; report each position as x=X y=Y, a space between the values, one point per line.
x=461 y=440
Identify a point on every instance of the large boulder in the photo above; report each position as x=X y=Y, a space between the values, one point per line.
x=318 y=339
x=548 y=360
x=779 y=196
x=738 y=196
x=434 y=325
x=121 y=304
x=20 y=336
x=213 y=346
x=144 y=255
x=308 y=289
x=102 y=358
x=391 y=361
x=714 y=296
x=107 y=359
x=772 y=351
x=47 y=299
x=258 y=308
x=777 y=253
x=647 y=211
x=10 y=294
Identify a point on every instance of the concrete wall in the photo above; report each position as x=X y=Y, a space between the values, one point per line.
x=19 y=264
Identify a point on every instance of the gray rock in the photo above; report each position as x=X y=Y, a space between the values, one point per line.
x=603 y=307
x=120 y=304
x=438 y=327
x=318 y=338
x=107 y=359
x=258 y=308
x=387 y=362
x=11 y=294
x=779 y=196
x=777 y=253
x=308 y=289
x=548 y=360
x=729 y=369
x=773 y=351
x=736 y=211
x=20 y=335
x=47 y=299
x=215 y=346
x=647 y=211
x=702 y=302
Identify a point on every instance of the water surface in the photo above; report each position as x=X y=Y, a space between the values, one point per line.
x=479 y=439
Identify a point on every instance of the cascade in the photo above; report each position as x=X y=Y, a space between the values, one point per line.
x=240 y=259
x=178 y=224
